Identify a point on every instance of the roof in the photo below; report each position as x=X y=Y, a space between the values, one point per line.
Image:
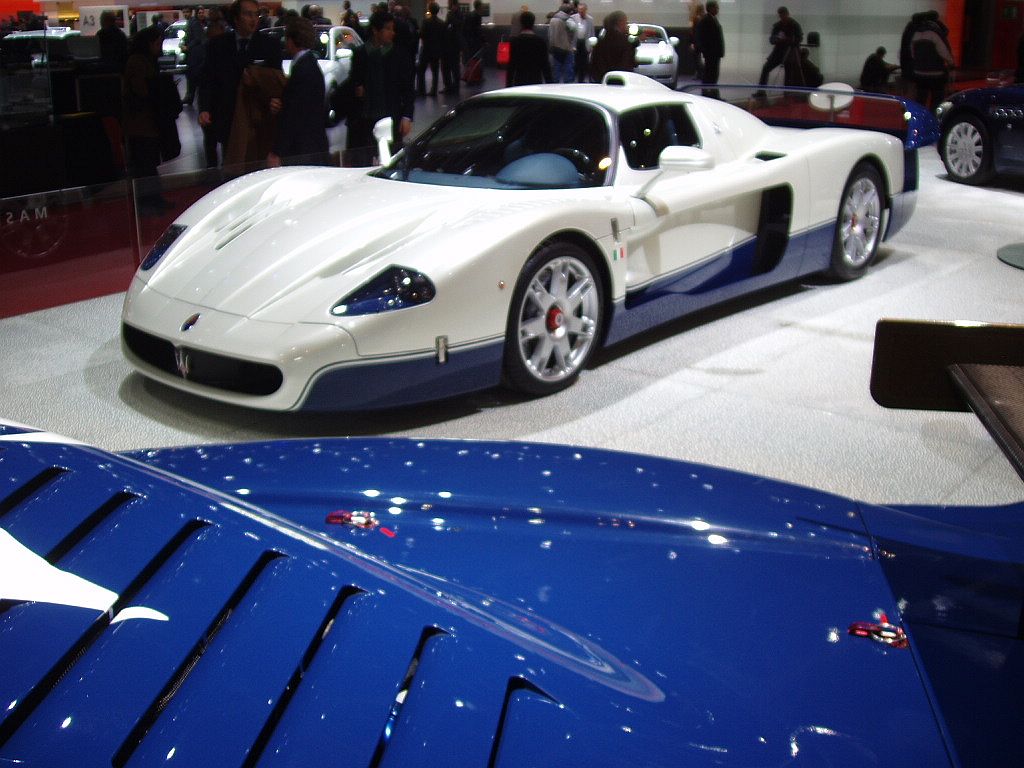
x=636 y=89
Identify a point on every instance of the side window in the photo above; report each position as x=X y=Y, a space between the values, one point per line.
x=648 y=130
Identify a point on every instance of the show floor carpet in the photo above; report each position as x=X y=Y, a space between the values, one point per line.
x=776 y=384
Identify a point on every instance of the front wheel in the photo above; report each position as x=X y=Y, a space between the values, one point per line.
x=858 y=224
x=966 y=151
x=333 y=118
x=554 y=321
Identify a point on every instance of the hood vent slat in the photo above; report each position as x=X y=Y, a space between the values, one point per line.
x=149 y=717
x=80 y=531
x=52 y=678
x=293 y=684
x=20 y=495
x=243 y=223
x=515 y=685
x=428 y=634
x=88 y=525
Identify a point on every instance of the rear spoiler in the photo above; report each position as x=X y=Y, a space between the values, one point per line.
x=833 y=104
x=945 y=366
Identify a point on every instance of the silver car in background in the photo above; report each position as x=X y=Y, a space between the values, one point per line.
x=656 y=54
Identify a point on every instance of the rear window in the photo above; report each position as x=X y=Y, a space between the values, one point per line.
x=646 y=131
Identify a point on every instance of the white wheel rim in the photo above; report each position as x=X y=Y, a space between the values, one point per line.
x=964 y=148
x=862 y=210
x=557 y=321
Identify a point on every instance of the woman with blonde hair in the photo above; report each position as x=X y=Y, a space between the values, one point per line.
x=697 y=13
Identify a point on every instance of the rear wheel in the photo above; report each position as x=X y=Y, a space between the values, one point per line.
x=554 y=321
x=858 y=224
x=967 y=151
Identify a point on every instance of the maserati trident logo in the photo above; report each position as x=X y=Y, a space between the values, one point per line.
x=181 y=359
x=190 y=322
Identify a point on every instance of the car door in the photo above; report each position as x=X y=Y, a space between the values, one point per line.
x=1007 y=122
x=731 y=216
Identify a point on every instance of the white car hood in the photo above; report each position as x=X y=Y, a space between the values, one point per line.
x=302 y=235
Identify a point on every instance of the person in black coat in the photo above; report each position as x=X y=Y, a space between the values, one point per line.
x=227 y=56
x=710 y=42
x=451 y=52
x=528 y=62
x=301 y=137
x=614 y=52
x=785 y=39
x=193 y=44
x=113 y=43
x=382 y=85
x=874 y=76
x=472 y=31
x=432 y=38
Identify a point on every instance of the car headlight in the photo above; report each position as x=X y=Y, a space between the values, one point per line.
x=160 y=246
x=942 y=109
x=394 y=288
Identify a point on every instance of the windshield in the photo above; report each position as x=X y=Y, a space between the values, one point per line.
x=323 y=38
x=510 y=143
x=648 y=33
x=175 y=31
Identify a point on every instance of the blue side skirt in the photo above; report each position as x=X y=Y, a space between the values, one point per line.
x=731 y=274
x=406 y=381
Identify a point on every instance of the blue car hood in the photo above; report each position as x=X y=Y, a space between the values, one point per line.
x=469 y=604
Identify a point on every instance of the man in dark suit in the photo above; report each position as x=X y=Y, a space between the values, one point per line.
x=113 y=43
x=301 y=137
x=451 y=51
x=710 y=42
x=227 y=56
x=382 y=80
x=432 y=37
x=528 y=61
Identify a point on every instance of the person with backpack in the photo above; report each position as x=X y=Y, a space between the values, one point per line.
x=932 y=61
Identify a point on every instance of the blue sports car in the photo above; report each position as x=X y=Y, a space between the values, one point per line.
x=346 y=602
x=982 y=133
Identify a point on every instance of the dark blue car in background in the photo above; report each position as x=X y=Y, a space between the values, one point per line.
x=982 y=133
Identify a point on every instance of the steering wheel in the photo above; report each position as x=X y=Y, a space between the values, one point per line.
x=578 y=157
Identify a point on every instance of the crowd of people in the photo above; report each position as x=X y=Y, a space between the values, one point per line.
x=251 y=113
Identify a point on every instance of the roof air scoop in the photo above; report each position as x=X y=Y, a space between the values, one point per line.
x=631 y=80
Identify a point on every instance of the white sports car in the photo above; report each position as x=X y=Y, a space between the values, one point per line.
x=519 y=233
x=656 y=54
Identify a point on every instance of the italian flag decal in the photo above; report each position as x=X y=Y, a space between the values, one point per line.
x=619 y=252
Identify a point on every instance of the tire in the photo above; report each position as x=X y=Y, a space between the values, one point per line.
x=967 y=150
x=858 y=223
x=332 y=116
x=554 y=321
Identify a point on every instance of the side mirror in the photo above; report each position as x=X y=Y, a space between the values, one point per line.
x=383 y=130
x=832 y=97
x=685 y=160
x=673 y=41
x=591 y=42
x=342 y=53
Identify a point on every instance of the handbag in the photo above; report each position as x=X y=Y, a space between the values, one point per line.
x=504 y=52
x=168 y=109
x=344 y=101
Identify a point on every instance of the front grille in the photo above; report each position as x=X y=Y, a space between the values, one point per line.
x=201 y=367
